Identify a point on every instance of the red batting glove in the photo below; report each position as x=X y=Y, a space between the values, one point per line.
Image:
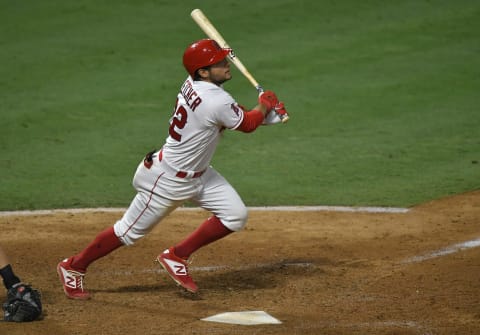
x=268 y=99
x=280 y=109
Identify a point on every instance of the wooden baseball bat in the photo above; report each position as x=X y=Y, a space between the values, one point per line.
x=209 y=29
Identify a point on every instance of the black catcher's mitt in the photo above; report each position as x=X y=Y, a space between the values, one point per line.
x=23 y=304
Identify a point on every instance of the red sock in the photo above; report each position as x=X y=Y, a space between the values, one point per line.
x=208 y=232
x=102 y=245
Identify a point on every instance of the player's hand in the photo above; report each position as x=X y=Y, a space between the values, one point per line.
x=278 y=115
x=268 y=99
x=280 y=110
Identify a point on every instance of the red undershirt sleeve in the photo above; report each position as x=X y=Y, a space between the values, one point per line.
x=251 y=120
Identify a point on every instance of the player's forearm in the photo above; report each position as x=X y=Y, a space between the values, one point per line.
x=252 y=119
x=261 y=108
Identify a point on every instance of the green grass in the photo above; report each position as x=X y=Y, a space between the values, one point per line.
x=383 y=95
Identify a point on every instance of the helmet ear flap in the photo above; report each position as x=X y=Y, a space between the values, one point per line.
x=202 y=54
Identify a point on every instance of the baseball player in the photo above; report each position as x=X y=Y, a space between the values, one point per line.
x=23 y=302
x=181 y=171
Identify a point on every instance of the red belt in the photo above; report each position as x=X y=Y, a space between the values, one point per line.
x=183 y=174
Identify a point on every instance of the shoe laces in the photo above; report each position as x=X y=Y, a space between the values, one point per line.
x=187 y=261
x=190 y=260
x=78 y=278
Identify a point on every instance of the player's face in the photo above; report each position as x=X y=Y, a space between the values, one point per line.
x=220 y=72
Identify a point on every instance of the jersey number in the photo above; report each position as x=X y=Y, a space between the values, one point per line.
x=179 y=120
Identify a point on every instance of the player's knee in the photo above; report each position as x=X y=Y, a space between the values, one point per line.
x=127 y=237
x=127 y=240
x=237 y=219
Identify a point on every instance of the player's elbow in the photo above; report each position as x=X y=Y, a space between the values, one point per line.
x=247 y=130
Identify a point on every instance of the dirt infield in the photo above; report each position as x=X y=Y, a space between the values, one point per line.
x=317 y=272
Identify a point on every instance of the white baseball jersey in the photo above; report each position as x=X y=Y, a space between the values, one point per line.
x=203 y=110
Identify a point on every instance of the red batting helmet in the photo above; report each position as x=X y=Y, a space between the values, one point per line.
x=201 y=54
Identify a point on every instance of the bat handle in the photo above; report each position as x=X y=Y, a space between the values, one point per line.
x=284 y=118
x=259 y=88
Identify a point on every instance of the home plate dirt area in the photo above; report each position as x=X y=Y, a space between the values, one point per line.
x=317 y=272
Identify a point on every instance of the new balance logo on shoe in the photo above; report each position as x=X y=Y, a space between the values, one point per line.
x=178 y=268
x=69 y=280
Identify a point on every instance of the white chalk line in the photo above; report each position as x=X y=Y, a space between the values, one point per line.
x=444 y=251
x=394 y=210
x=213 y=268
x=383 y=324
